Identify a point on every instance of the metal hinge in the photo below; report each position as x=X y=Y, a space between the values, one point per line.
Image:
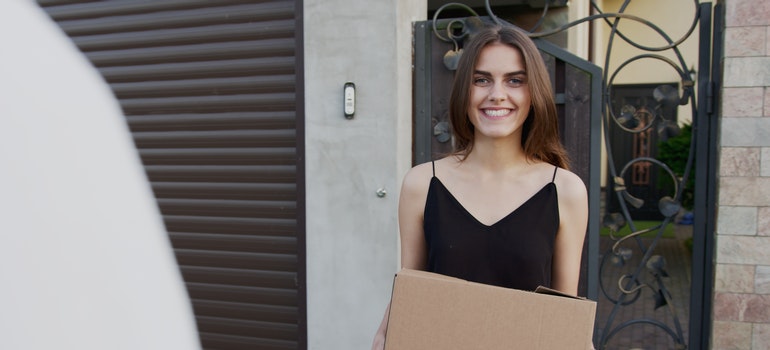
x=710 y=100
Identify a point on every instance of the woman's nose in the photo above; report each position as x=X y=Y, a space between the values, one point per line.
x=496 y=92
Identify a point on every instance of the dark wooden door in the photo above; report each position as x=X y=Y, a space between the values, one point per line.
x=644 y=118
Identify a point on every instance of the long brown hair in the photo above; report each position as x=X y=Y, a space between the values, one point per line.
x=540 y=136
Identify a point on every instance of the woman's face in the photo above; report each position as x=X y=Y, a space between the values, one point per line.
x=499 y=94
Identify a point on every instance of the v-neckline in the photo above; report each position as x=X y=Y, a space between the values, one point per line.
x=474 y=218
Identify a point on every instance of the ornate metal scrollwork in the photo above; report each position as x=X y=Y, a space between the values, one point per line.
x=634 y=121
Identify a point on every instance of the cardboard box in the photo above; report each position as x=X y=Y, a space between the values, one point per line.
x=432 y=311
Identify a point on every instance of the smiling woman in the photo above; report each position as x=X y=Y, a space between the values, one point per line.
x=540 y=137
x=503 y=208
x=500 y=100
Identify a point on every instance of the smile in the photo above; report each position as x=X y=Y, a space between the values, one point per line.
x=496 y=113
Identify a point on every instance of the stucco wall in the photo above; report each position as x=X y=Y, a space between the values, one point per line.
x=742 y=283
x=352 y=234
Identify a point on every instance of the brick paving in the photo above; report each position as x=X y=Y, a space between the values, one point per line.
x=644 y=335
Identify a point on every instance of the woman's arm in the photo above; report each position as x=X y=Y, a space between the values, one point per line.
x=411 y=205
x=573 y=222
x=573 y=217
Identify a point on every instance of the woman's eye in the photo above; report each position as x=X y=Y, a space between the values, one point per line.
x=516 y=81
x=481 y=81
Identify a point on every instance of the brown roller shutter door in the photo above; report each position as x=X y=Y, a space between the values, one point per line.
x=212 y=94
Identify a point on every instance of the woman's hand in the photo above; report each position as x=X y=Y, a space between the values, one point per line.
x=379 y=337
x=379 y=341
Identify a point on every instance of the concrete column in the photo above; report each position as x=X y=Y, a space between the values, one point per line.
x=352 y=233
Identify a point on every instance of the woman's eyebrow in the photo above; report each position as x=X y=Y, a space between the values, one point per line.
x=518 y=72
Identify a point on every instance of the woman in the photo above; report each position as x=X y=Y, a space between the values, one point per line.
x=502 y=209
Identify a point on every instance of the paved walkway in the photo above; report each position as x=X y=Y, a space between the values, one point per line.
x=645 y=335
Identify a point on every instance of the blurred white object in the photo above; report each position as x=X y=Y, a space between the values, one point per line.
x=85 y=262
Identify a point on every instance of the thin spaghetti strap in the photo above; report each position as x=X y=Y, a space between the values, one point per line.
x=554 y=173
x=433 y=163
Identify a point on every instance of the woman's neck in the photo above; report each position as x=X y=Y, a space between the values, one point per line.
x=496 y=154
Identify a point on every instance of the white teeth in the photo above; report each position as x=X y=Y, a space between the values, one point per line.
x=496 y=112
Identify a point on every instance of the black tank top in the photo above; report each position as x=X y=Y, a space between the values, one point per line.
x=515 y=252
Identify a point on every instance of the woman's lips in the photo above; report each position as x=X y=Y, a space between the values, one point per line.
x=497 y=113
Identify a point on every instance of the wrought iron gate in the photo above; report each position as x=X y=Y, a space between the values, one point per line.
x=629 y=272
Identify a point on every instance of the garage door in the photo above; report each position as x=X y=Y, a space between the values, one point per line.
x=210 y=91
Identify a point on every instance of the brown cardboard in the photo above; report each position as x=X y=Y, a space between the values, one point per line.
x=432 y=311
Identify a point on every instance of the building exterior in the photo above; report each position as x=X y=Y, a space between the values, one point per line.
x=352 y=233
x=331 y=182
x=741 y=284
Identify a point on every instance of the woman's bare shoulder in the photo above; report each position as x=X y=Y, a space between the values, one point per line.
x=418 y=177
x=570 y=185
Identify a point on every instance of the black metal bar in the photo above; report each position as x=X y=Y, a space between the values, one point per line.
x=594 y=197
x=422 y=78
x=704 y=131
x=301 y=211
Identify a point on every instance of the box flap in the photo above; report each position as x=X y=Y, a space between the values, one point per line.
x=549 y=291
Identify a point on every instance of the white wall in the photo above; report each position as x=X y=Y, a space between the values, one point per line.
x=579 y=35
x=352 y=234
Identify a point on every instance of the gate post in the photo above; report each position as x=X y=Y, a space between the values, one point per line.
x=705 y=136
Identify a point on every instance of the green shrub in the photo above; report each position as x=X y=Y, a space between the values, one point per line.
x=674 y=153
